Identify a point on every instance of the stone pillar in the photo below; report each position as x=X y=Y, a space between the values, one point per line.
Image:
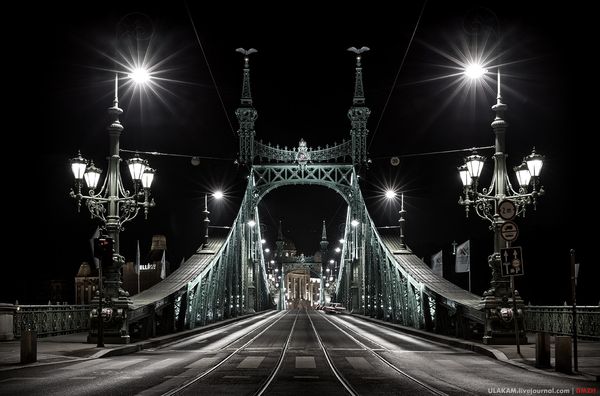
x=28 y=346
x=542 y=350
x=563 y=354
x=7 y=312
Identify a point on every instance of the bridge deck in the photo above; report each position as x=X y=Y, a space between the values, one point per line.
x=422 y=273
x=187 y=272
x=452 y=295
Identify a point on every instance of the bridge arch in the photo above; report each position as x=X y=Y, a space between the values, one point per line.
x=338 y=177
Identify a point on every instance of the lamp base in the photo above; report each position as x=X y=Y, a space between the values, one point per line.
x=500 y=320
x=115 y=327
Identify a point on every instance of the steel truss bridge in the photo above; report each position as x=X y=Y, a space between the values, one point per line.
x=379 y=276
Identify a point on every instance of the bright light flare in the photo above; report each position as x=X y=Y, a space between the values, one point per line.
x=218 y=195
x=140 y=76
x=475 y=71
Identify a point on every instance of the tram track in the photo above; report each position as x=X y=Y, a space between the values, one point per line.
x=384 y=360
x=266 y=384
x=202 y=375
x=332 y=366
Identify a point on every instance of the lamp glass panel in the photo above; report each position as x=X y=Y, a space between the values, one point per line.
x=523 y=175
x=91 y=178
x=147 y=177
x=535 y=163
x=78 y=169
x=465 y=177
x=78 y=166
x=475 y=165
x=137 y=166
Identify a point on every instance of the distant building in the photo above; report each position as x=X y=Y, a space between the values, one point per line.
x=302 y=286
x=86 y=284
x=150 y=268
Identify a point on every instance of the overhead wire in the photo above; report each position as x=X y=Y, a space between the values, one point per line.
x=437 y=152
x=209 y=69
x=156 y=153
x=398 y=74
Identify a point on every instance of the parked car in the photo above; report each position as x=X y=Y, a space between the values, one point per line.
x=334 y=308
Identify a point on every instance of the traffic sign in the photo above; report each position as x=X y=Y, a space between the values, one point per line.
x=509 y=231
x=507 y=210
x=512 y=261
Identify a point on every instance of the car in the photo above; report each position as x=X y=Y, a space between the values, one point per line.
x=334 y=308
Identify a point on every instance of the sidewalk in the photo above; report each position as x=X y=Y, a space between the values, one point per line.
x=75 y=347
x=588 y=352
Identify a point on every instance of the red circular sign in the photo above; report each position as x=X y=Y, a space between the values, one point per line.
x=509 y=231
x=507 y=210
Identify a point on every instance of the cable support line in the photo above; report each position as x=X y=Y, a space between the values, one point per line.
x=209 y=70
x=156 y=153
x=398 y=74
x=438 y=152
x=269 y=213
x=335 y=214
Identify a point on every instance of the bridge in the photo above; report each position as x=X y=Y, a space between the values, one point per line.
x=379 y=276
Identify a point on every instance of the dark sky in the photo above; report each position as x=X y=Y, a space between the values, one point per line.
x=302 y=85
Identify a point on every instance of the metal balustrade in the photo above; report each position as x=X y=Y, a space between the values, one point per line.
x=51 y=320
x=558 y=320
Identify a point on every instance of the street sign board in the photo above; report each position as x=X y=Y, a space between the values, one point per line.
x=509 y=231
x=512 y=261
x=507 y=210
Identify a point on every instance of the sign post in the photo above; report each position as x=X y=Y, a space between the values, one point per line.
x=512 y=265
x=574 y=291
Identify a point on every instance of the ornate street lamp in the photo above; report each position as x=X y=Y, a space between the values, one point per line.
x=113 y=205
x=501 y=302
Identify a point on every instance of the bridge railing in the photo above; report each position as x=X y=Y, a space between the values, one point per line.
x=51 y=320
x=558 y=320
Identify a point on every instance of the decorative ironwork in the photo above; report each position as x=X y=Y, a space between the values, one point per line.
x=558 y=320
x=335 y=153
x=51 y=320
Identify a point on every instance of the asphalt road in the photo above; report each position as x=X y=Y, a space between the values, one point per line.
x=291 y=353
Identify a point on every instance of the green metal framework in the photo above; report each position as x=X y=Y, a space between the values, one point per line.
x=379 y=276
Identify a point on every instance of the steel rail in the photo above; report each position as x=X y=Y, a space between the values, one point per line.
x=384 y=360
x=271 y=377
x=197 y=378
x=334 y=369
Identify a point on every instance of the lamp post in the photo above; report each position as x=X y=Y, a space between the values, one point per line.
x=216 y=195
x=391 y=195
x=113 y=205
x=502 y=304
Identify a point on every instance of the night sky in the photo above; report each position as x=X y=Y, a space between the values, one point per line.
x=302 y=85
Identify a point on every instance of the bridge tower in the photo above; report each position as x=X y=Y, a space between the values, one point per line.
x=334 y=166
